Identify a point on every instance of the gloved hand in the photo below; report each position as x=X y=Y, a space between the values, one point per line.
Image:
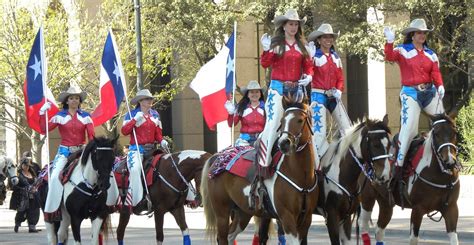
x=230 y=107
x=305 y=80
x=311 y=49
x=164 y=144
x=139 y=118
x=46 y=106
x=389 y=35
x=266 y=41
x=441 y=91
x=337 y=93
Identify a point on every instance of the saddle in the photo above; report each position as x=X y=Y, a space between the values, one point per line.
x=413 y=156
x=122 y=174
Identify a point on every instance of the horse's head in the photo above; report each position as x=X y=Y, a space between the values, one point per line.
x=443 y=141
x=295 y=129
x=375 y=146
x=102 y=155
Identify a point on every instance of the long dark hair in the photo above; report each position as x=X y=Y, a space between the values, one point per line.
x=279 y=40
x=245 y=101
x=408 y=39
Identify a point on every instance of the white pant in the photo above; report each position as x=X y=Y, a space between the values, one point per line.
x=339 y=114
x=134 y=164
x=274 y=113
x=409 y=116
x=55 y=191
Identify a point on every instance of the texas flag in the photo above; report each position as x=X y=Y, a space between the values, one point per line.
x=213 y=81
x=112 y=85
x=35 y=90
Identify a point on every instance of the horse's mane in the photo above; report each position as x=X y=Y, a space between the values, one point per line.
x=100 y=141
x=296 y=104
x=337 y=150
x=442 y=116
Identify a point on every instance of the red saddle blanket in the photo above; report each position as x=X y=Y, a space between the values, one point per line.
x=239 y=160
x=121 y=171
x=415 y=160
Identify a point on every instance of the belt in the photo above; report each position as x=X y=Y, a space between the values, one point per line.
x=422 y=86
x=73 y=149
x=322 y=91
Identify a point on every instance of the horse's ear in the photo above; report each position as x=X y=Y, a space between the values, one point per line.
x=285 y=102
x=453 y=113
x=385 y=120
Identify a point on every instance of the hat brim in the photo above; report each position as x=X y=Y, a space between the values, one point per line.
x=63 y=96
x=412 y=29
x=279 y=20
x=315 y=34
x=244 y=90
x=139 y=97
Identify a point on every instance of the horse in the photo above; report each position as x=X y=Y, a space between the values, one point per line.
x=292 y=190
x=171 y=184
x=7 y=170
x=84 y=192
x=433 y=186
x=364 y=149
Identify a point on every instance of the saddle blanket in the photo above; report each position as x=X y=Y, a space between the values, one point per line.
x=230 y=159
x=121 y=173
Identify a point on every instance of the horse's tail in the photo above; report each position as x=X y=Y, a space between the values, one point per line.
x=211 y=221
x=106 y=227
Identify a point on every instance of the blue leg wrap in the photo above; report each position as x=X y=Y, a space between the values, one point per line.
x=186 y=240
x=120 y=242
x=60 y=243
x=281 y=240
x=379 y=243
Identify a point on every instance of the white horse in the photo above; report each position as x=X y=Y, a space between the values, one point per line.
x=7 y=170
x=85 y=194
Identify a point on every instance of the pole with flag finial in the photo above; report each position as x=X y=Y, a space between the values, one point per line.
x=234 y=85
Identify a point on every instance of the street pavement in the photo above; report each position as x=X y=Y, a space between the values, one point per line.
x=141 y=229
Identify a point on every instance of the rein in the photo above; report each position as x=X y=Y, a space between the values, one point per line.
x=175 y=166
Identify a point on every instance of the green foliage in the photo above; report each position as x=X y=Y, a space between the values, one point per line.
x=465 y=125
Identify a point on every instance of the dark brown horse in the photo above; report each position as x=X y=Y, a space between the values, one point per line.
x=434 y=186
x=169 y=190
x=292 y=190
x=364 y=149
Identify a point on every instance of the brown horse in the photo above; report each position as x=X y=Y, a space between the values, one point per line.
x=434 y=186
x=169 y=190
x=364 y=149
x=292 y=190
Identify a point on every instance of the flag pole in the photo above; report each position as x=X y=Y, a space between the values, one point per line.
x=44 y=77
x=234 y=82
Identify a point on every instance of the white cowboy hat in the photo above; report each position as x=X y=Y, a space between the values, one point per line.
x=323 y=29
x=290 y=14
x=416 y=25
x=142 y=94
x=72 y=90
x=252 y=85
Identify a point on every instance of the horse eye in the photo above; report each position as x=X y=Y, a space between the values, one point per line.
x=300 y=120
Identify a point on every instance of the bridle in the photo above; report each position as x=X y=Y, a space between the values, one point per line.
x=437 y=150
x=369 y=170
x=296 y=138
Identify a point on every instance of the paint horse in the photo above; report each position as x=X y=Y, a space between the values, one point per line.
x=364 y=149
x=170 y=184
x=432 y=185
x=85 y=191
x=292 y=190
x=7 y=170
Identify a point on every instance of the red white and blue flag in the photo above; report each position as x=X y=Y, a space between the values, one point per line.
x=112 y=85
x=213 y=82
x=35 y=90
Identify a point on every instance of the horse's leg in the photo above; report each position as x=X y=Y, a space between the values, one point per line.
x=332 y=223
x=304 y=227
x=222 y=220
x=180 y=218
x=288 y=221
x=239 y=223
x=76 y=229
x=50 y=230
x=450 y=216
x=123 y=222
x=263 y=230
x=63 y=227
x=281 y=233
x=385 y=215
x=159 y=219
x=95 y=230
x=415 y=223
x=367 y=205
x=345 y=230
